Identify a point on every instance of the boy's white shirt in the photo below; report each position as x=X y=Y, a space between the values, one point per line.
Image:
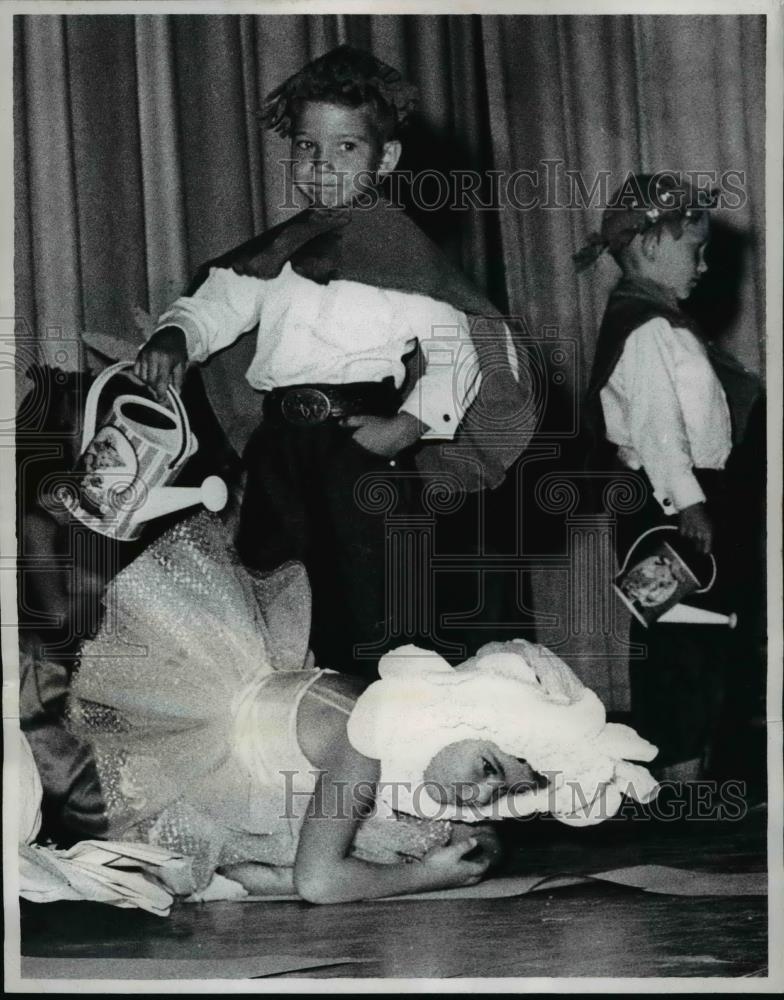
x=666 y=410
x=337 y=333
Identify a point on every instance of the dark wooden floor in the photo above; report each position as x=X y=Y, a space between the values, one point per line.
x=588 y=930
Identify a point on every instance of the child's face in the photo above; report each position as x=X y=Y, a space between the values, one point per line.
x=336 y=153
x=477 y=772
x=678 y=265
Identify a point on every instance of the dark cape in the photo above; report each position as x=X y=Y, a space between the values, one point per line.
x=633 y=303
x=382 y=247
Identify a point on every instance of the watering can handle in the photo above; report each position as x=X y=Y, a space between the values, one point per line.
x=185 y=428
x=667 y=527
x=91 y=411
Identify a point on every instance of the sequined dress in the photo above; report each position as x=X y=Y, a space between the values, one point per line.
x=188 y=696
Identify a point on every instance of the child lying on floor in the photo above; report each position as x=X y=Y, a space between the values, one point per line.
x=214 y=736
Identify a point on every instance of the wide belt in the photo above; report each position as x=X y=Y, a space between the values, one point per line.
x=310 y=405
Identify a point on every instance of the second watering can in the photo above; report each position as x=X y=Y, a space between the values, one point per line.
x=655 y=577
x=125 y=467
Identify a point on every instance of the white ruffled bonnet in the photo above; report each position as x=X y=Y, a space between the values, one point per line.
x=517 y=695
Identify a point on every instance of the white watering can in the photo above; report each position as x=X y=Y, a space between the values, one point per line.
x=125 y=467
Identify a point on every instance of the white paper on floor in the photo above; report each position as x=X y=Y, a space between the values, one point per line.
x=120 y=874
x=650 y=878
x=679 y=882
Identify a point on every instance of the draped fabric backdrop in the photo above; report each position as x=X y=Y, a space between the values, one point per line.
x=138 y=157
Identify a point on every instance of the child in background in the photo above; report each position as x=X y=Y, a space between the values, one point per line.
x=341 y=295
x=656 y=407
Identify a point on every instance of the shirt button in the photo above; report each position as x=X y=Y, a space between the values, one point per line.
x=447 y=418
x=668 y=503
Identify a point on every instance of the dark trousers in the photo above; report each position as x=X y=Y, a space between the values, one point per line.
x=679 y=686
x=314 y=495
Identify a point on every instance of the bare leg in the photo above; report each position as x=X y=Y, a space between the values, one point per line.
x=261 y=880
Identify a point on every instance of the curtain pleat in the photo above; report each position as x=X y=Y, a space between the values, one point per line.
x=107 y=171
x=26 y=321
x=213 y=131
x=567 y=47
x=751 y=47
x=516 y=273
x=251 y=102
x=166 y=253
x=56 y=278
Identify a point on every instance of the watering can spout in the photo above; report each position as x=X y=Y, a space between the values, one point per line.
x=689 y=615
x=162 y=500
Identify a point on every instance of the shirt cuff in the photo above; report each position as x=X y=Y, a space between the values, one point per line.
x=440 y=415
x=684 y=491
x=193 y=339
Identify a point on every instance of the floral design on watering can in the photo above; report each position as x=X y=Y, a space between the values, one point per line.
x=125 y=468
x=655 y=577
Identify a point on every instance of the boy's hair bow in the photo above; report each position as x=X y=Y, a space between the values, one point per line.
x=344 y=75
x=645 y=202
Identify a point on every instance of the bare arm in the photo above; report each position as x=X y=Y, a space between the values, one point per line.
x=323 y=870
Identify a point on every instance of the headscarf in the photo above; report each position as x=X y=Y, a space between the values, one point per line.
x=517 y=695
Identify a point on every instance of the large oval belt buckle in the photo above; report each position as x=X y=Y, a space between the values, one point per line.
x=305 y=407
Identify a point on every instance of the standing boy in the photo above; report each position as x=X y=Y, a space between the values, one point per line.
x=658 y=407
x=341 y=295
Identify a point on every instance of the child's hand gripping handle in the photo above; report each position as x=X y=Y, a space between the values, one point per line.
x=695 y=524
x=163 y=360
